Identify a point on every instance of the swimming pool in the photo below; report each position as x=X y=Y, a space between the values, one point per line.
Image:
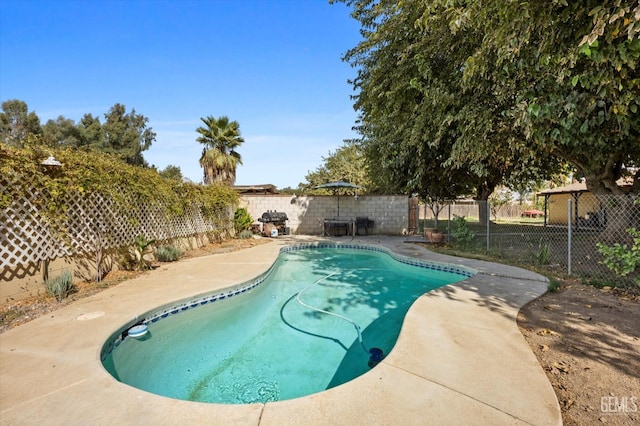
x=268 y=339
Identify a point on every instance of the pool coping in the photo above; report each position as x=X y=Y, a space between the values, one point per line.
x=460 y=357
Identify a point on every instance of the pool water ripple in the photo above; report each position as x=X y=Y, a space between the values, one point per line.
x=259 y=344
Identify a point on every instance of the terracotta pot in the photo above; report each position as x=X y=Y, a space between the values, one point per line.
x=436 y=237
x=428 y=232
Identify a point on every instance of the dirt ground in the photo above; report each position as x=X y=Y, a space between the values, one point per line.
x=24 y=310
x=586 y=339
x=588 y=343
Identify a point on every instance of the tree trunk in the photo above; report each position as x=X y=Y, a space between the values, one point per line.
x=483 y=192
x=619 y=213
x=436 y=207
x=209 y=174
x=618 y=209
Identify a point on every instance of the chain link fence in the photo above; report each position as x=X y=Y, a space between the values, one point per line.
x=565 y=237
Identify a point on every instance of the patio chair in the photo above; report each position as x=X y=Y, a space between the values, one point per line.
x=363 y=222
x=323 y=229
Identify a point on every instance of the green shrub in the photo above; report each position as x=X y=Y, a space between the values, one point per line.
x=461 y=232
x=60 y=287
x=242 y=220
x=132 y=258
x=554 y=285
x=142 y=246
x=247 y=233
x=168 y=253
x=542 y=255
x=126 y=259
x=620 y=259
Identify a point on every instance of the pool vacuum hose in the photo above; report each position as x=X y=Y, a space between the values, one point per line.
x=375 y=354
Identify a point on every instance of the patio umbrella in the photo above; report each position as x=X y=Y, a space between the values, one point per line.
x=336 y=186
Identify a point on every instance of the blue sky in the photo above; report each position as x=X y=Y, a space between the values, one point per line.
x=272 y=65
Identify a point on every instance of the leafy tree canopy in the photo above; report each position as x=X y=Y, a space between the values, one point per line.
x=577 y=64
x=126 y=134
x=16 y=122
x=483 y=93
x=123 y=134
x=346 y=164
x=61 y=132
x=171 y=172
x=423 y=131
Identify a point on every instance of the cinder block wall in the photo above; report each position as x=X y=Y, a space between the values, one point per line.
x=389 y=212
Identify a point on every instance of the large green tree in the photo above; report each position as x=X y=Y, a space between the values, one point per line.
x=424 y=129
x=581 y=104
x=581 y=61
x=346 y=163
x=171 y=172
x=91 y=133
x=61 y=132
x=16 y=122
x=126 y=134
x=510 y=90
x=123 y=134
x=220 y=158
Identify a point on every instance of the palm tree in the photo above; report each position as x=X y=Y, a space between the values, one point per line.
x=219 y=157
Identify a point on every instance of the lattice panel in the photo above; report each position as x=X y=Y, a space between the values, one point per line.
x=26 y=236
x=92 y=223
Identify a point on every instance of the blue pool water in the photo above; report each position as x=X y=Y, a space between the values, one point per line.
x=265 y=344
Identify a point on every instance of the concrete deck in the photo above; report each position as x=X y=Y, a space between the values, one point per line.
x=460 y=358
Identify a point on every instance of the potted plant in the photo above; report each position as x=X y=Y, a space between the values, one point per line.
x=428 y=232
x=436 y=237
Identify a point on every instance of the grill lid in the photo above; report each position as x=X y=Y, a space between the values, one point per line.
x=273 y=217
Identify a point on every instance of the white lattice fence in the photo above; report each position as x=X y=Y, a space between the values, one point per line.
x=26 y=236
x=93 y=223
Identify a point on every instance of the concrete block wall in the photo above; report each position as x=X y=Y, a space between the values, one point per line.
x=389 y=212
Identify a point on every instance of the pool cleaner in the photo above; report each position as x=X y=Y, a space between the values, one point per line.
x=376 y=356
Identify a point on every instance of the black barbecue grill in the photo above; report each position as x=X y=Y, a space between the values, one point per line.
x=278 y=219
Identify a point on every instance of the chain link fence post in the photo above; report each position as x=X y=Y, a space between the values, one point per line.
x=569 y=231
x=488 y=223
x=449 y=222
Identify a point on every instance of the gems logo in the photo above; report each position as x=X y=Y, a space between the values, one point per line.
x=619 y=404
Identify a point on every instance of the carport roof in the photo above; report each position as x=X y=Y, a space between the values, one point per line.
x=568 y=189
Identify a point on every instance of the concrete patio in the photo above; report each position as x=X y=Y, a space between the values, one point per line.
x=460 y=358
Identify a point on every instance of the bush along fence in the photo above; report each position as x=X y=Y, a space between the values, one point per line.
x=91 y=217
x=596 y=239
